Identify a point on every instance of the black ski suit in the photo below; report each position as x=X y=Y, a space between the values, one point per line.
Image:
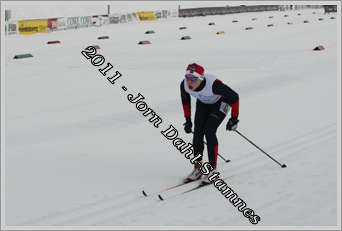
x=213 y=98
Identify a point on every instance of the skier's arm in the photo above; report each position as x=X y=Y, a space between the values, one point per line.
x=186 y=101
x=229 y=94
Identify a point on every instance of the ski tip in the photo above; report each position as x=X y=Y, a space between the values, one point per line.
x=160 y=197
x=203 y=184
x=144 y=193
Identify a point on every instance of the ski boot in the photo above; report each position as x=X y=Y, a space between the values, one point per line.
x=195 y=174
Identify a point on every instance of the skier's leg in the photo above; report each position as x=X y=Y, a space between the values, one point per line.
x=201 y=116
x=215 y=118
x=198 y=143
x=211 y=126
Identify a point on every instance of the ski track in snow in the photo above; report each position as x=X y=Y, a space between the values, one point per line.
x=128 y=203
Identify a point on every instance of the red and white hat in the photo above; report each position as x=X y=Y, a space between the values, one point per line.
x=195 y=70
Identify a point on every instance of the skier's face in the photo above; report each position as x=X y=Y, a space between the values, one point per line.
x=192 y=81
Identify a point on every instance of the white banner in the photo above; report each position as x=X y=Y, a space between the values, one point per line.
x=61 y=25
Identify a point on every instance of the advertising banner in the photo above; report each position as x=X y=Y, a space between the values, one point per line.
x=105 y=19
x=147 y=16
x=129 y=18
x=173 y=13
x=85 y=21
x=99 y=20
x=158 y=14
x=61 y=24
x=72 y=22
x=164 y=13
x=11 y=28
x=123 y=18
x=52 y=24
x=96 y=20
x=114 y=19
x=135 y=17
x=33 y=26
x=75 y=22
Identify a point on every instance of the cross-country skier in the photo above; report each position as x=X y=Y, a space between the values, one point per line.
x=214 y=100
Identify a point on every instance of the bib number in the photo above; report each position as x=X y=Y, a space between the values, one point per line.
x=224 y=107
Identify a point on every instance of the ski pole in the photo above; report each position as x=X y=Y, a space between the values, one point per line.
x=282 y=165
x=225 y=160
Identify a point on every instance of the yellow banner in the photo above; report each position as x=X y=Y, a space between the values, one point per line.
x=33 y=26
x=147 y=16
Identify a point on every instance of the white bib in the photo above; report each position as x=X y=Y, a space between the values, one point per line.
x=205 y=95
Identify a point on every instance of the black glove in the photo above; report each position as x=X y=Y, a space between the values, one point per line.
x=187 y=125
x=232 y=123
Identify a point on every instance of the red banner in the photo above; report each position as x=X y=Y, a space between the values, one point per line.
x=52 y=24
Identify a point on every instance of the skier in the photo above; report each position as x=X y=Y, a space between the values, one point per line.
x=214 y=100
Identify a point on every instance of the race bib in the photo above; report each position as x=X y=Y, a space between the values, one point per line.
x=224 y=107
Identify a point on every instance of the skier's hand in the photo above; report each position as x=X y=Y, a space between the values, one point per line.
x=232 y=124
x=187 y=125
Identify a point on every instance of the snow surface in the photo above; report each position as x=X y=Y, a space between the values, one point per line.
x=78 y=153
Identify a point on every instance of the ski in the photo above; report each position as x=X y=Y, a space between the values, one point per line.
x=187 y=191
x=169 y=188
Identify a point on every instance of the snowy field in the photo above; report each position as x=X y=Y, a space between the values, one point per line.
x=77 y=152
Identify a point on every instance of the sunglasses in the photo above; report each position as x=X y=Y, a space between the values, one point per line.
x=193 y=79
